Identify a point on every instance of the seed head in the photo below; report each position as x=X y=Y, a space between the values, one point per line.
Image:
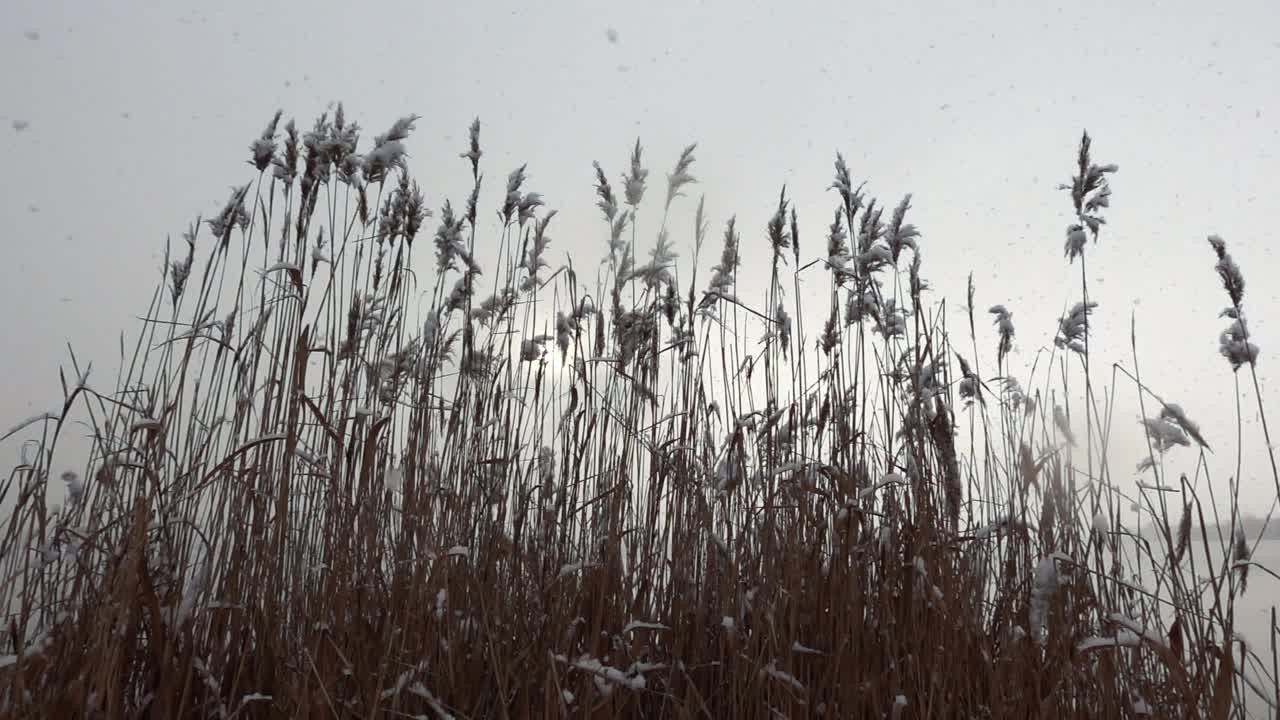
x=264 y=148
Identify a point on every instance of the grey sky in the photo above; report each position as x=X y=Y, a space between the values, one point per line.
x=138 y=117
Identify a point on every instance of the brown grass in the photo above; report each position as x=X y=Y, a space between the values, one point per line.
x=310 y=497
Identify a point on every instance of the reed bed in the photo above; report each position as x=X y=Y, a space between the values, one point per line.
x=326 y=485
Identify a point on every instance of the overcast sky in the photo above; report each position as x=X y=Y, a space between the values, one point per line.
x=120 y=122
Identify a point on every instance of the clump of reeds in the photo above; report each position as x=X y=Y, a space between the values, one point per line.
x=309 y=495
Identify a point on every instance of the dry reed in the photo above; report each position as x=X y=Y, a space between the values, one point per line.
x=310 y=497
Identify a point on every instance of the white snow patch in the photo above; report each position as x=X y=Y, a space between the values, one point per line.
x=1101 y=525
x=1133 y=626
x=571 y=568
x=606 y=674
x=1124 y=638
x=771 y=670
x=886 y=481
x=637 y=625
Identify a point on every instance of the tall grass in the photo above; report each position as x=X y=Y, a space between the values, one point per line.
x=324 y=485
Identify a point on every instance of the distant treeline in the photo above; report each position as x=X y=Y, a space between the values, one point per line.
x=1254 y=524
